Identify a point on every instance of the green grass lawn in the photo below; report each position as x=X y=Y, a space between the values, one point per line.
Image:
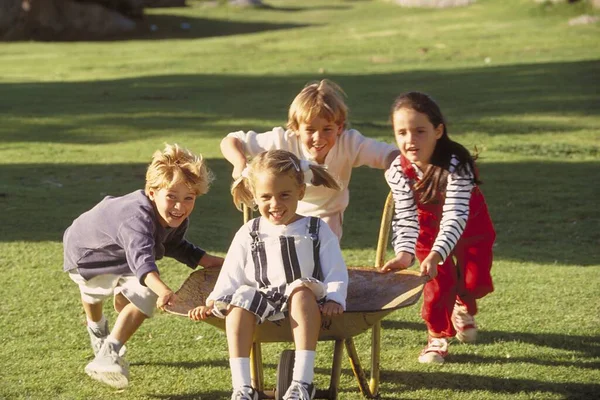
x=79 y=121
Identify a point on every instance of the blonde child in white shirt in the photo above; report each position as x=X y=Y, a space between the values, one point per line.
x=279 y=263
x=316 y=131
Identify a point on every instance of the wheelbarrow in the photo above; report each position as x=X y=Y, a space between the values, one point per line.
x=371 y=296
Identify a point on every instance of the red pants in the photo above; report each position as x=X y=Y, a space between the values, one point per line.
x=465 y=275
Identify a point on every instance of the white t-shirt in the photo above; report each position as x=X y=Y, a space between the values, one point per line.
x=351 y=150
x=239 y=269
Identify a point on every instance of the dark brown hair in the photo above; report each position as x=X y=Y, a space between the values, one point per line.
x=435 y=177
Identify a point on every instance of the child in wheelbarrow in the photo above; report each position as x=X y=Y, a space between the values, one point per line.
x=316 y=131
x=279 y=264
x=112 y=250
x=442 y=218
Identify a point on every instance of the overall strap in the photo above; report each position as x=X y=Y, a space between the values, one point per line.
x=313 y=231
x=259 y=255
x=289 y=257
x=254 y=231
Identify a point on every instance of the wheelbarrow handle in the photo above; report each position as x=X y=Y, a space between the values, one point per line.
x=384 y=231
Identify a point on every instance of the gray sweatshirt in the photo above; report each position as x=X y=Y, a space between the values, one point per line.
x=122 y=235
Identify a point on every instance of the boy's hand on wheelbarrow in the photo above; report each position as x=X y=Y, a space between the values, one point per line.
x=429 y=266
x=200 y=313
x=168 y=298
x=331 y=308
x=402 y=261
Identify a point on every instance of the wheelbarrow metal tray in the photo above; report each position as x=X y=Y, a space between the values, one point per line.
x=371 y=296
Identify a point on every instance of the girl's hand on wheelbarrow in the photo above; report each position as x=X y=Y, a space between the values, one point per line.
x=402 y=261
x=331 y=308
x=429 y=266
x=200 y=313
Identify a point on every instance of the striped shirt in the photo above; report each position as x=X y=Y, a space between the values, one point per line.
x=455 y=210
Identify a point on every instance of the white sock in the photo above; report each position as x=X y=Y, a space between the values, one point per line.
x=97 y=326
x=240 y=372
x=304 y=366
x=116 y=344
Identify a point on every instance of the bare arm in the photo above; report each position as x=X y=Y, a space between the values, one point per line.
x=164 y=293
x=210 y=261
x=233 y=151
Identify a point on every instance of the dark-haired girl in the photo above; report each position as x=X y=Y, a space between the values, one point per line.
x=441 y=218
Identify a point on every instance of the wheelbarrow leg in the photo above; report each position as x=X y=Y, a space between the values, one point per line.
x=256 y=367
x=336 y=369
x=375 y=358
x=368 y=389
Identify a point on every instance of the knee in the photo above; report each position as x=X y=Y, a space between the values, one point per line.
x=120 y=302
x=303 y=301
x=302 y=294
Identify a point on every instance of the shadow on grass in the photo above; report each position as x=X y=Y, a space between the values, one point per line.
x=541 y=211
x=212 y=395
x=586 y=346
x=161 y=26
x=307 y=8
x=440 y=380
x=477 y=359
x=404 y=325
x=60 y=193
x=165 y=26
x=185 y=364
x=114 y=111
x=534 y=205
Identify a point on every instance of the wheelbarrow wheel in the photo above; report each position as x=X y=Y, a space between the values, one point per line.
x=285 y=370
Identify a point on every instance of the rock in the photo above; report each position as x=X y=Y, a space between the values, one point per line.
x=129 y=8
x=67 y=19
x=9 y=12
x=583 y=20
x=164 y=3
x=95 y=20
x=433 y=3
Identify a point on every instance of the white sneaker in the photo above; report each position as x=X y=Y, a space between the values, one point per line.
x=300 y=391
x=97 y=339
x=464 y=323
x=244 y=393
x=108 y=367
x=435 y=351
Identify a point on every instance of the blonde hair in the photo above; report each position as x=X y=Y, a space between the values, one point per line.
x=176 y=165
x=318 y=99
x=277 y=162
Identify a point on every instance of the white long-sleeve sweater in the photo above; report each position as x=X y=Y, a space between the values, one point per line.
x=351 y=150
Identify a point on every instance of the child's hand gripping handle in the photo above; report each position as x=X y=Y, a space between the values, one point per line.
x=402 y=261
x=166 y=299
x=429 y=266
x=201 y=312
